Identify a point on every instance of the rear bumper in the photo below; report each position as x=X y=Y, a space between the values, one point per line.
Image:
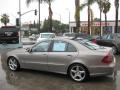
x=8 y=38
x=103 y=70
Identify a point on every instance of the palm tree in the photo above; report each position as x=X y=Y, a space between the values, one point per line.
x=91 y=20
x=50 y=10
x=117 y=14
x=88 y=3
x=100 y=4
x=5 y=19
x=106 y=8
x=77 y=15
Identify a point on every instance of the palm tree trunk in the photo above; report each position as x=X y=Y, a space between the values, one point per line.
x=105 y=22
x=91 y=22
x=117 y=12
x=77 y=16
x=50 y=17
x=100 y=17
x=89 y=26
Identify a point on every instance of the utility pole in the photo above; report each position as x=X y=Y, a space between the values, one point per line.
x=39 y=16
x=20 y=20
x=69 y=22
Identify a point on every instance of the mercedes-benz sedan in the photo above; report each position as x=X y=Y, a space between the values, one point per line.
x=64 y=56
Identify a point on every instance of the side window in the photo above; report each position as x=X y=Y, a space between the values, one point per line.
x=59 y=46
x=71 y=48
x=41 y=47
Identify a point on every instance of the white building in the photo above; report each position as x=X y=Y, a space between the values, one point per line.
x=95 y=27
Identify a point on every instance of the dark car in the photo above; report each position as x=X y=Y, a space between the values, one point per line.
x=82 y=35
x=110 y=40
x=9 y=35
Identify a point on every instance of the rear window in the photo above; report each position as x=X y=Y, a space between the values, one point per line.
x=89 y=44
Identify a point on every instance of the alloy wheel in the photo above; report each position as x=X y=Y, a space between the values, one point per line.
x=13 y=64
x=78 y=73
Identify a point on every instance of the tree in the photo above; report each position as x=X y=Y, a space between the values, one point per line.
x=5 y=19
x=106 y=8
x=88 y=3
x=77 y=15
x=100 y=4
x=57 y=25
x=49 y=8
x=117 y=14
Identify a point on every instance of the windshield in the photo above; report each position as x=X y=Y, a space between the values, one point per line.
x=118 y=35
x=89 y=44
x=47 y=35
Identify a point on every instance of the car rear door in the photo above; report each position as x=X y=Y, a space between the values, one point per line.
x=61 y=54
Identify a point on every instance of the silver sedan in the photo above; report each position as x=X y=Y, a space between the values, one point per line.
x=64 y=56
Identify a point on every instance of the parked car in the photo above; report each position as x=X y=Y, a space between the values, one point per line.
x=9 y=35
x=32 y=37
x=110 y=40
x=64 y=56
x=68 y=35
x=73 y=36
x=43 y=36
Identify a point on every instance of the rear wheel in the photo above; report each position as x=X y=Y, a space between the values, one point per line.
x=13 y=64
x=78 y=72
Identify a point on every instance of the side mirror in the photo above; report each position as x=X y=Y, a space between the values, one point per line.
x=29 y=50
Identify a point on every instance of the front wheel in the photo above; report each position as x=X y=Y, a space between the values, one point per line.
x=78 y=72
x=13 y=64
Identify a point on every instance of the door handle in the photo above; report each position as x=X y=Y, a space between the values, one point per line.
x=44 y=54
x=69 y=55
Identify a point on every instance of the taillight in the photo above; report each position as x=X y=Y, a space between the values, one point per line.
x=107 y=59
x=93 y=40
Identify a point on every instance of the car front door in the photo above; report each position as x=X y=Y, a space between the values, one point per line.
x=61 y=54
x=37 y=57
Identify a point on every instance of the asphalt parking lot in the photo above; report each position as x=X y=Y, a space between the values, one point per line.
x=37 y=80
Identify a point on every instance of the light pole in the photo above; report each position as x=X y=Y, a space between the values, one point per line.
x=69 y=19
x=39 y=16
x=20 y=20
x=69 y=22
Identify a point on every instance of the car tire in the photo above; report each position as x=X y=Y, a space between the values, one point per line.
x=13 y=64
x=114 y=49
x=78 y=73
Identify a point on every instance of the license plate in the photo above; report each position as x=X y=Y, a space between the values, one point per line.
x=8 y=33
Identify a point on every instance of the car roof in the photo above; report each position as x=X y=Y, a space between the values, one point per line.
x=73 y=42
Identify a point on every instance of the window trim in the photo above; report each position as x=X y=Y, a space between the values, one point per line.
x=41 y=42
x=66 y=47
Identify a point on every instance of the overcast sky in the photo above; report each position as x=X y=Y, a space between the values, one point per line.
x=61 y=8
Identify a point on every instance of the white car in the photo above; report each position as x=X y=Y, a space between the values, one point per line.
x=68 y=35
x=43 y=36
